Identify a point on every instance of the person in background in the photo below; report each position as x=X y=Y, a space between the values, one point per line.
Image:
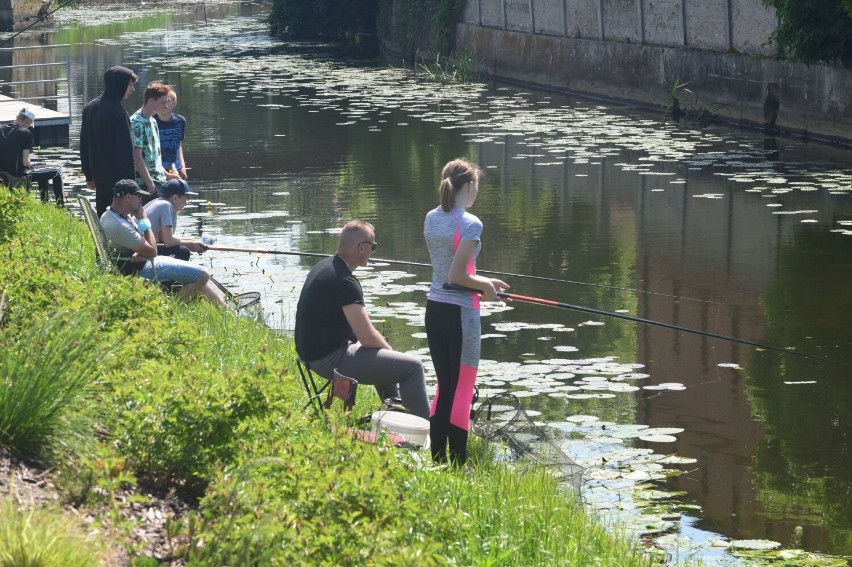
x=106 y=152
x=172 y=129
x=16 y=144
x=333 y=327
x=146 y=140
x=163 y=214
x=452 y=317
x=129 y=233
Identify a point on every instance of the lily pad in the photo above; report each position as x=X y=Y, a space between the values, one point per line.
x=755 y=544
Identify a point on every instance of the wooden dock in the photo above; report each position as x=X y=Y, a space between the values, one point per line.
x=51 y=127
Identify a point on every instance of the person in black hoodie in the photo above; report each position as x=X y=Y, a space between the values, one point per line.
x=106 y=152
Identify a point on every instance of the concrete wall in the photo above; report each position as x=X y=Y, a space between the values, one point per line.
x=637 y=50
x=743 y=25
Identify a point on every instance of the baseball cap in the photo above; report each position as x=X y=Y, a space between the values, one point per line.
x=176 y=187
x=26 y=111
x=127 y=187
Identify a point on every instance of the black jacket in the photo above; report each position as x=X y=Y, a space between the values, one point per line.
x=106 y=151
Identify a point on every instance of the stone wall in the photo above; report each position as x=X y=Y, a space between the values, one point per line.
x=638 y=50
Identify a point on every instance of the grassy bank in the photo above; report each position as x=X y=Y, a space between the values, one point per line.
x=133 y=387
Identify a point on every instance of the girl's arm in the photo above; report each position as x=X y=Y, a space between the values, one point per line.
x=459 y=276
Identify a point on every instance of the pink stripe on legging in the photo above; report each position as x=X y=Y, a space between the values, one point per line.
x=460 y=413
x=434 y=401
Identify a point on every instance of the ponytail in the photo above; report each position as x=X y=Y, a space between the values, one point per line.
x=448 y=195
x=455 y=175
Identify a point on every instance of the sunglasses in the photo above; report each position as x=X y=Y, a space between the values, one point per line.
x=370 y=242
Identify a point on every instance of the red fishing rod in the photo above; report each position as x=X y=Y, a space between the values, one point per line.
x=559 y=304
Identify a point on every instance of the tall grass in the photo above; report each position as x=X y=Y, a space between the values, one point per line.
x=44 y=375
x=42 y=537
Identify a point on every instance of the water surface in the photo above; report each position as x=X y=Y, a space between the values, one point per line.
x=710 y=229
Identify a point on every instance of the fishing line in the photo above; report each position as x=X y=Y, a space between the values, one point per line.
x=479 y=271
x=551 y=303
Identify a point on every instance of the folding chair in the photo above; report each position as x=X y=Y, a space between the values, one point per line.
x=340 y=387
x=311 y=389
x=343 y=388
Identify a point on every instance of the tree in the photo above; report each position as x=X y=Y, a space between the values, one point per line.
x=814 y=31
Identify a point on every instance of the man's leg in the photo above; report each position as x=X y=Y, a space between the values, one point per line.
x=382 y=367
x=192 y=277
x=103 y=198
x=179 y=252
x=40 y=179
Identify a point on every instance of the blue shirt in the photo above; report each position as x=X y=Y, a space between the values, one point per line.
x=171 y=135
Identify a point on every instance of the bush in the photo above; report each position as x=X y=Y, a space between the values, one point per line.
x=321 y=498
x=814 y=31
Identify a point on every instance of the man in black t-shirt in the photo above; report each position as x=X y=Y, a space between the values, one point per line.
x=16 y=144
x=333 y=327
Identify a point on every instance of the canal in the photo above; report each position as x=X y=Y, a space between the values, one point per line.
x=691 y=440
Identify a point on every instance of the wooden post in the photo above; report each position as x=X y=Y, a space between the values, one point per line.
x=640 y=9
x=601 y=18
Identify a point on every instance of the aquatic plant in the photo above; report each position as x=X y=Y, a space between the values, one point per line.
x=458 y=67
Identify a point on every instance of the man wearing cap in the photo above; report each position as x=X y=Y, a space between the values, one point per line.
x=106 y=154
x=16 y=143
x=128 y=230
x=163 y=214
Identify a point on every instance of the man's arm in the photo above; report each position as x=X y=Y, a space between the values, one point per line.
x=182 y=171
x=142 y=170
x=168 y=238
x=358 y=318
x=25 y=158
x=147 y=248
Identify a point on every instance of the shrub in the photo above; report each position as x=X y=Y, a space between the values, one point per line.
x=814 y=32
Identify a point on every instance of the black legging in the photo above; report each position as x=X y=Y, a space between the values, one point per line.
x=42 y=175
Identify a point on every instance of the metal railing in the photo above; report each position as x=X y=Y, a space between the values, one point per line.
x=23 y=74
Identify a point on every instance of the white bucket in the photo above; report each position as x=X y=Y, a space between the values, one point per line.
x=410 y=427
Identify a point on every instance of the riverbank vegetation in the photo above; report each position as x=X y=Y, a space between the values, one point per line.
x=412 y=26
x=131 y=396
x=814 y=32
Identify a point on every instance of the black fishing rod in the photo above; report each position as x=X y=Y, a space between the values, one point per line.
x=491 y=272
x=551 y=303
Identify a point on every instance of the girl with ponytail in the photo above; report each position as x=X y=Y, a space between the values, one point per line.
x=452 y=317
